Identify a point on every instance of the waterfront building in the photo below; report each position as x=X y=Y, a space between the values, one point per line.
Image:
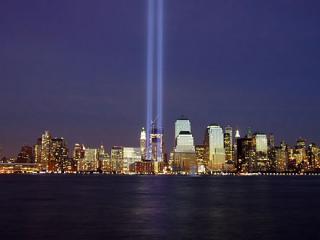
x=104 y=163
x=89 y=162
x=261 y=163
x=214 y=148
x=228 y=144
x=261 y=143
x=246 y=154
x=199 y=150
x=37 y=151
x=272 y=153
x=300 y=152
x=130 y=156
x=58 y=156
x=281 y=155
x=236 y=137
x=184 y=158
x=45 y=150
x=313 y=153
x=14 y=168
x=157 y=144
x=292 y=163
x=117 y=159
x=78 y=156
x=143 y=144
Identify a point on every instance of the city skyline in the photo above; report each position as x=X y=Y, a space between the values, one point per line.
x=159 y=119
x=223 y=151
x=171 y=144
x=80 y=75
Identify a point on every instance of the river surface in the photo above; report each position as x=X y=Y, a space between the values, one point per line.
x=159 y=207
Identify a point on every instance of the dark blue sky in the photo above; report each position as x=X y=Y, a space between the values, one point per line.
x=77 y=68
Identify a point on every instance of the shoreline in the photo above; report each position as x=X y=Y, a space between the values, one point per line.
x=162 y=174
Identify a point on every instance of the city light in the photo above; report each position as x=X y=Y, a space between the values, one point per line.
x=222 y=153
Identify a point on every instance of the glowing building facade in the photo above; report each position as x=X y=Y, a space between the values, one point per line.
x=184 y=156
x=131 y=155
x=214 y=148
x=157 y=145
x=261 y=142
x=182 y=125
x=45 y=150
x=228 y=144
x=59 y=155
x=143 y=144
x=117 y=159
x=90 y=161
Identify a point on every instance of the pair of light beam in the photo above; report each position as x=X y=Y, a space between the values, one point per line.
x=154 y=69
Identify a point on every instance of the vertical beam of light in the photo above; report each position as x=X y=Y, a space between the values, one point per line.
x=159 y=70
x=150 y=65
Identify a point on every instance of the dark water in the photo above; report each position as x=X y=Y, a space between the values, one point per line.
x=159 y=207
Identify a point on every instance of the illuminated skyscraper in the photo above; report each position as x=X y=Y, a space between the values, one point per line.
x=117 y=159
x=200 y=158
x=59 y=155
x=78 y=156
x=228 y=143
x=184 y=154
x=182 y=125
x=237 y=135
x=261 y=142
x=235 y=147
x=183 y=137
x=271 y=141
x=261 y=162
x=245 y=154
x=185 y=142
x=103 y=160
x=184 y=151
x=90 y=161
x=37 y=151
x=272 y=152
x=313 y=152
x=300 y=154
x=131 y=155
x=281 y=156
x=45 y=150
x=156 y=140
x=214 y=148
x=143 y=144
x=78 y=151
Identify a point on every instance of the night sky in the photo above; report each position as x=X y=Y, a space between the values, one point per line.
x=78 y=68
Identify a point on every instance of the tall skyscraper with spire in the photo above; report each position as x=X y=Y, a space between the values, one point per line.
x=143 y=142
x=157 y=144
